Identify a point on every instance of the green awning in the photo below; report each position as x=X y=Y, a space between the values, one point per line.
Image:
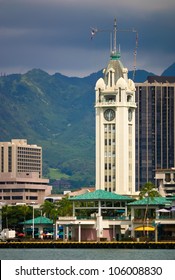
x=101 y=195
x=38 y=221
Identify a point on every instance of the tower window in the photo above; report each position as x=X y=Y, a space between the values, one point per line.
x=110 y=76
x=120 y=97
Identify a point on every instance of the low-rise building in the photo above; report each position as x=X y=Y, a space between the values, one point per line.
x=153 y=218
x=23 y=188
x=98 y=215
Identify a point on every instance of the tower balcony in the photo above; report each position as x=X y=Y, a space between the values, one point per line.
x=103 y=104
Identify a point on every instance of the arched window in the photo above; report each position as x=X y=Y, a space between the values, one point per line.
x=110 y=77
x=120 y=94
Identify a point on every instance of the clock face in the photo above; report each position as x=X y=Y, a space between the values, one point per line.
x=109 y=115
x=129 y=115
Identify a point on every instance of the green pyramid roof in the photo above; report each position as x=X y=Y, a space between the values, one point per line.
x=151 y=201
x=101 y=195
x=39 y=220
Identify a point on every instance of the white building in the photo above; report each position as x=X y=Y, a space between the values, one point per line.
x=115 y=128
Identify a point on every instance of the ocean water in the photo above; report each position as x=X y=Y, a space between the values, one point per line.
x=87 y=254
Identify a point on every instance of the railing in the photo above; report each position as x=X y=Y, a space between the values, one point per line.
x=141 y=220
x=116 y=218
x=85 y=218
x=114 y=103
x=104 y=218
x=165 y=218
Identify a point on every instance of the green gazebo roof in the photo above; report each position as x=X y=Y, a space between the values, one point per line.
x=38 y=221
x=150 y=201
x=101 y=195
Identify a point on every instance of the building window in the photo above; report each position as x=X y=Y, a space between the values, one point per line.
x=17 y=190
x=110 y=76
x=33 y=197
x=167 y=177
x=6 y=197
x=9 y=159
x=2 y=159
x=17 y=198
x=120 y=90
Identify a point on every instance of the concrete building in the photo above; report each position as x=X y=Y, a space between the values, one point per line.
x=21 y=173
x=155 y=127
x=115 y=128
x=17 y=156
x=166 y=181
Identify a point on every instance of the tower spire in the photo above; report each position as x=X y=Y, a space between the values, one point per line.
x=115 y=36
x=115 y=54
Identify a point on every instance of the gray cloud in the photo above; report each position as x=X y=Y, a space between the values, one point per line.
x=54 y=35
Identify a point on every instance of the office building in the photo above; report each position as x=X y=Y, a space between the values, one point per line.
x=155 y=127
x=21 y=173
x=17 y=156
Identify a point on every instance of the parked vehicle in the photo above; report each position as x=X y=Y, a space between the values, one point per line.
x=8 y=235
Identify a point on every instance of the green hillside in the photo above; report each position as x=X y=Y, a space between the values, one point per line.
x=57 y=113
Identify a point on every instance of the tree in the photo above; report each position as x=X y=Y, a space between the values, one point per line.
x=6 y=211
x=61 y=208
x=65 y=207
x=49 y=209
x=148 y=191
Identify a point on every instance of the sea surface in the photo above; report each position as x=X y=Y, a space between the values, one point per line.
x=87 y=254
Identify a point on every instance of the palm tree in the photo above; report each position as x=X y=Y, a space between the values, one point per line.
x=6 y=211
x=65 y=207
x=148 y=191
x=48 y=208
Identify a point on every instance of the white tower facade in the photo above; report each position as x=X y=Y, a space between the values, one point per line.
x=115 y=128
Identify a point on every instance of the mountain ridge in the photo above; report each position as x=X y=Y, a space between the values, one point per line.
x=57 y=113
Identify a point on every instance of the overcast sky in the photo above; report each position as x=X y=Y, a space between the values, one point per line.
x=54 y=35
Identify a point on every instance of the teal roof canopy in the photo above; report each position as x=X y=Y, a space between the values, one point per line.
x=39 y=220
x=100 y=195
x=150 y=201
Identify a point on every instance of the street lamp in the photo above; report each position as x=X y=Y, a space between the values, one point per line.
x=113 y=229
x=147 y=220
x=79 y=232
x=33 y=223
x=0 y=217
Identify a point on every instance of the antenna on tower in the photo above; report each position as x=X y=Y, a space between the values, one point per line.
x=115 y=36
x=113 y=42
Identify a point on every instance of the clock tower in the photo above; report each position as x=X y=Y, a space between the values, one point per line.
x=115 y=127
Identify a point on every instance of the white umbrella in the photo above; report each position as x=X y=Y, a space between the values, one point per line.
x=173 y=208
x=163 y=210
